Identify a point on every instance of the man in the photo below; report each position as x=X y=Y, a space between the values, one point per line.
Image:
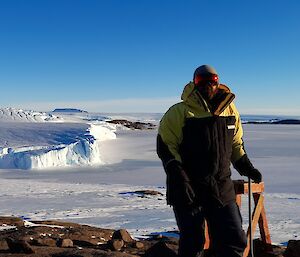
x=197 y=140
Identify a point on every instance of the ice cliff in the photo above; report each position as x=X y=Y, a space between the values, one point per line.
x=85 y=150
x=35 y=140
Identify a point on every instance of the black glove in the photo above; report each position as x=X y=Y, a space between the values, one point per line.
x=180 y=191
x=245 y=168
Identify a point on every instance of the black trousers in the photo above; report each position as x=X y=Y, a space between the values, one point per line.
x=225 y=227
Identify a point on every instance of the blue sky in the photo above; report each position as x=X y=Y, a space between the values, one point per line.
x=137 y=55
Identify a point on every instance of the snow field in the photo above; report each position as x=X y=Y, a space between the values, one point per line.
x=116 y=206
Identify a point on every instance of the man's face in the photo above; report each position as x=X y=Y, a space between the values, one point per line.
x=208 y=90
x=207 y=86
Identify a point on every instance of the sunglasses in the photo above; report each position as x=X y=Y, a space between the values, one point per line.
x=208 y=79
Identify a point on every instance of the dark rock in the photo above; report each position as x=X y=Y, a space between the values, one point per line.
x=133 y=125
x=123 y=235
x=19 y=246
x=84 y=243
x=293 y=249
x=259 y=247
x=266 y=250
x=116 y=244
x=148 y=192
x=160 y=249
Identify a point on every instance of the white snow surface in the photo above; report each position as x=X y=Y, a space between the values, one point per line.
x=104 y=196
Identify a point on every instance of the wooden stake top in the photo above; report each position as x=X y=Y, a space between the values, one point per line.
x=241 y=187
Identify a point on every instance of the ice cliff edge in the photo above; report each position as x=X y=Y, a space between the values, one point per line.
x=84 y=149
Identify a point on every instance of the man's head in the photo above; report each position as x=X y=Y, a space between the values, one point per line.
x=206 y=80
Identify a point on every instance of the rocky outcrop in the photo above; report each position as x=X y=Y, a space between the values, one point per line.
x=144 y=193
x=11 y=221
x=65 y=239
x=57 y=238
x=133 y=125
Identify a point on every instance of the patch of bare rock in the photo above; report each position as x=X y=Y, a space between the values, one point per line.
x=65 y=239
x=133 y=125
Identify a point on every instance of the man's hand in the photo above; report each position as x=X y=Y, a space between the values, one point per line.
x=179 y=186
x=245 y=168
x=189 y=192
x=255 y=175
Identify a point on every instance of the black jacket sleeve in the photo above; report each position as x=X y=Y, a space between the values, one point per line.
x=163 y=152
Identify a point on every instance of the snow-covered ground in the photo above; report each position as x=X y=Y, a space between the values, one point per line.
x=103 y=195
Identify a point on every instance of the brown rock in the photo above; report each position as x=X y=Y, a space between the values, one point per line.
x=293 y=249
x=44 y=242
x=65 y=243
x=123 y=235
x=116 y=244
x=18 y=246
x=139 y=245
x=3 y=245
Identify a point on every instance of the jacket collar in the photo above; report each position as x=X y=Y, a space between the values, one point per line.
x=220 y=102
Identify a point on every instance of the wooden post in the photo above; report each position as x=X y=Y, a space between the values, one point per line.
x=263 y=225
x=238 y=200
x=258 y=215
x=255 y=217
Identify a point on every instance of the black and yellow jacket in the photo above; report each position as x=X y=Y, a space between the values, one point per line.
x=205 y=139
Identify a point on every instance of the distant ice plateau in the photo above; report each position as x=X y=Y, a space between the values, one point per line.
x=37 y=140
x=20 y=115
